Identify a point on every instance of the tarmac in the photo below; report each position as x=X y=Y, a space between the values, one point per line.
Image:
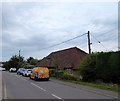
x=0 y=85
x=108 y=93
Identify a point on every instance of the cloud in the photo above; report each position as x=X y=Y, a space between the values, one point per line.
x=30 y=27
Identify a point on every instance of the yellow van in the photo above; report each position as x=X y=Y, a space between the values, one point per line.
x=40 y=73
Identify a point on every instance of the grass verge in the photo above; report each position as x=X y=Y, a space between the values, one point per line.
x=114 y=88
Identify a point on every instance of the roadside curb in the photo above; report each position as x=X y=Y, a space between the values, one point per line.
x=87 y=88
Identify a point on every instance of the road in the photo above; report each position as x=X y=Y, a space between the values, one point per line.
x=19 y=87
x=0 y=85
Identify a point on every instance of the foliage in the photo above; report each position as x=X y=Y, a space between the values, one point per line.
x=101 y=66
x=32 y=61
x=6 y=65
x=61 y=74
x=88 y=68
x=52 y=72
x=29 y=59
x=15 y=61
x=67 y=76
x=114 y=88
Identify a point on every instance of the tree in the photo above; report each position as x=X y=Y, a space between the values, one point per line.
x=6 y=65
x=32 y=61
x=29 y=59
x=15 y=61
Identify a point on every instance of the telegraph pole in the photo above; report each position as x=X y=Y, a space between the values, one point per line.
x=89 y=47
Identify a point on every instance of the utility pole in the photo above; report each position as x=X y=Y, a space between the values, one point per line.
x=89 y=42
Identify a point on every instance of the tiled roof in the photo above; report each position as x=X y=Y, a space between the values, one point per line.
x=68 y=58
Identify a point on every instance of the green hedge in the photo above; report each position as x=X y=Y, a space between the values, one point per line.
x=101 y=66
x=68 y=77
x=61 y=74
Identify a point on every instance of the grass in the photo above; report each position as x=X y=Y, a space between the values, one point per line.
x=113 y=88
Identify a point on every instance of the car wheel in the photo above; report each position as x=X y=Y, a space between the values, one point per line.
x=36 y=78
x=47 y=79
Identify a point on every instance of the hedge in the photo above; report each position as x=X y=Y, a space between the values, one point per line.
x=61 y=74
x=101 y=66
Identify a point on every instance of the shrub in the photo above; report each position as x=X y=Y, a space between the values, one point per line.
x=101 y=66
x=52 y=72
x=61 y=74
x=88 y=68
x=67 y=76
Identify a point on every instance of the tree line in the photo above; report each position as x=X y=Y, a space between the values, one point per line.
x=19 y=62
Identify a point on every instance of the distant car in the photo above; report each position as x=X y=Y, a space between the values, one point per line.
x=20 y=71
x=27 y=72
x=12 y=70
x=2 y=69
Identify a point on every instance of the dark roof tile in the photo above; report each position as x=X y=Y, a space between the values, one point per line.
x=67 y=58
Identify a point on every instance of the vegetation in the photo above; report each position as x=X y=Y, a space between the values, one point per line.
x=100 y=70
x=102 y=67
x=17 y=62
x=66 y=77
x=61 y=74
x=32 y=61
x=114 y=88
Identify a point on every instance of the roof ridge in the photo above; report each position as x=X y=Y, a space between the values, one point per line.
x=68 y=49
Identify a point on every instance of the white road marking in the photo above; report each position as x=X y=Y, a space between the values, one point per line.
x=56 y=96
x=38 y=86
x=20 y=77
x=23 y=79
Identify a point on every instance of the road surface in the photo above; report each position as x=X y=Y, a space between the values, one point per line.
x=19 y=87
x=0 y=85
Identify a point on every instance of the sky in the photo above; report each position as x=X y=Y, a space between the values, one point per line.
x=33 y=27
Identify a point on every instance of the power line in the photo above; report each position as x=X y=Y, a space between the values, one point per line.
x=115 y=38
x=99 y=41
x=64 y=41
x=112 y=30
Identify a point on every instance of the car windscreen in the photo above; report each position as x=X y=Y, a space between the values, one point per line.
x=29 y=70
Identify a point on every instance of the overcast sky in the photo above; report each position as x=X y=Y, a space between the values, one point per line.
x=32 y=26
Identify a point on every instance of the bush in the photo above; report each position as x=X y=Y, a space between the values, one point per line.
x=60 y=74
x=52 y=73
x=88 y=68
x=68 y=77
x=101 y=66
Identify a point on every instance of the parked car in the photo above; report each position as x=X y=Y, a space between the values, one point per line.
x=2 y=69
x=20 y=71
x=12 y=70
x=40 y=73
x=27 y=72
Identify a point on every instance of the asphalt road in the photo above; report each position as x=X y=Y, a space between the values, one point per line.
x=0 y=85
x=19 y=87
